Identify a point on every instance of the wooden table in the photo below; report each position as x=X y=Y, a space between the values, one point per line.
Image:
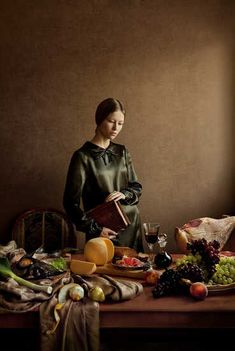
x=216 y=311
x=170 y=312
x=174 y=319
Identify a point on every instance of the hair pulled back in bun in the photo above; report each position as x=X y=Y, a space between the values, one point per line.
x=106 y=107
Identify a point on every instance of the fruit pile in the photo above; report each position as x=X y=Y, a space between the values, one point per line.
x=202 y=266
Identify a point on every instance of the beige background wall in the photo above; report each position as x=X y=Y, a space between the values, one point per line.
x=171 y=63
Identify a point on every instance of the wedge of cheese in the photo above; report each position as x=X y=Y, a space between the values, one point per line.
x=82 y=267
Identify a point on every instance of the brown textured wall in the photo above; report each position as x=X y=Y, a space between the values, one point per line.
x=171 y=62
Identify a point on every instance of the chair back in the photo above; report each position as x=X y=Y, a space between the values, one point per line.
x=45 y=227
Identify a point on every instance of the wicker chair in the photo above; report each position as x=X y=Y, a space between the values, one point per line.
x=45 y=227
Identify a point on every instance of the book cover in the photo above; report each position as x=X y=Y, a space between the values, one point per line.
x=110 y=215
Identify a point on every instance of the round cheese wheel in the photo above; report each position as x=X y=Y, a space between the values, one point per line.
x=99 y=251
x=96 y=251
x=110 y=248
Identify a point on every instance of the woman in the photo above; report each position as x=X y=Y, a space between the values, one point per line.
x=102 y=171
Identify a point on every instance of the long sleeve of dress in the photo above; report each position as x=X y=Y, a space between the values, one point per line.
x=134 y=189
x=75 y=182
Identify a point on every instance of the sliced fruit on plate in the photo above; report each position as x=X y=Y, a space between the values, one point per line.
x=129 y=262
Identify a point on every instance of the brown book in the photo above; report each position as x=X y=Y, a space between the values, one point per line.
x=110 y=215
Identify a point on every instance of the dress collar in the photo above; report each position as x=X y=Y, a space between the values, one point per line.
x=106 y=154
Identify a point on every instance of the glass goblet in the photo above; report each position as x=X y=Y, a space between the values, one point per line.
x=151 y=231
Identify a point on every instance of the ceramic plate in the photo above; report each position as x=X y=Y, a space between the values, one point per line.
x=127 y=268
x=221 y=288
x=227 y=253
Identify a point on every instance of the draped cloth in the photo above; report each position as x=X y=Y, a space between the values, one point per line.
x=78 y=327
x=114 y=289
x=79 y=321
x=16 y=298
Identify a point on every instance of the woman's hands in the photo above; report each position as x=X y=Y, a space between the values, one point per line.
x=115 y=195
x=108 y=233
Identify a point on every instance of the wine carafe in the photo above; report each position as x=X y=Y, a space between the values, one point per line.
x=162 y=259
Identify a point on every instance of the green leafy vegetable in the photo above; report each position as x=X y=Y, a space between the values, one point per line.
x=59 y=263
x=5 y=271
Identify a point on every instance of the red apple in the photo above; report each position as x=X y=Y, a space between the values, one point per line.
x=198 y=290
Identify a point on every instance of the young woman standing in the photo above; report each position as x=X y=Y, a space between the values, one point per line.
x=100 y=171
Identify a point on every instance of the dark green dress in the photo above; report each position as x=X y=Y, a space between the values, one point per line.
x=93 y=174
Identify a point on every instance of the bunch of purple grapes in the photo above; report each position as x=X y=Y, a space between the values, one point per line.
x=170 y=281
x=167 y=284
x=209 y=252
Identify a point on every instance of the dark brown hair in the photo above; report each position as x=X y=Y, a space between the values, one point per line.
x=106 y=107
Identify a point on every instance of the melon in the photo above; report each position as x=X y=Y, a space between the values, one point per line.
x=99 y=251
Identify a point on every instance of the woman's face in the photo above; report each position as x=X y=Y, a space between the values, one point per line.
x=112 y=125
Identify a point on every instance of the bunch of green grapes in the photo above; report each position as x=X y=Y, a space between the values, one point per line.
x=204 y=254
x=225 y=272
x=190 y=258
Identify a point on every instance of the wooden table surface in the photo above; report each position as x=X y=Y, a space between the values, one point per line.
x=216 y=311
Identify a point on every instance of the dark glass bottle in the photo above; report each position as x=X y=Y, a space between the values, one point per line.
x=162 y=259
